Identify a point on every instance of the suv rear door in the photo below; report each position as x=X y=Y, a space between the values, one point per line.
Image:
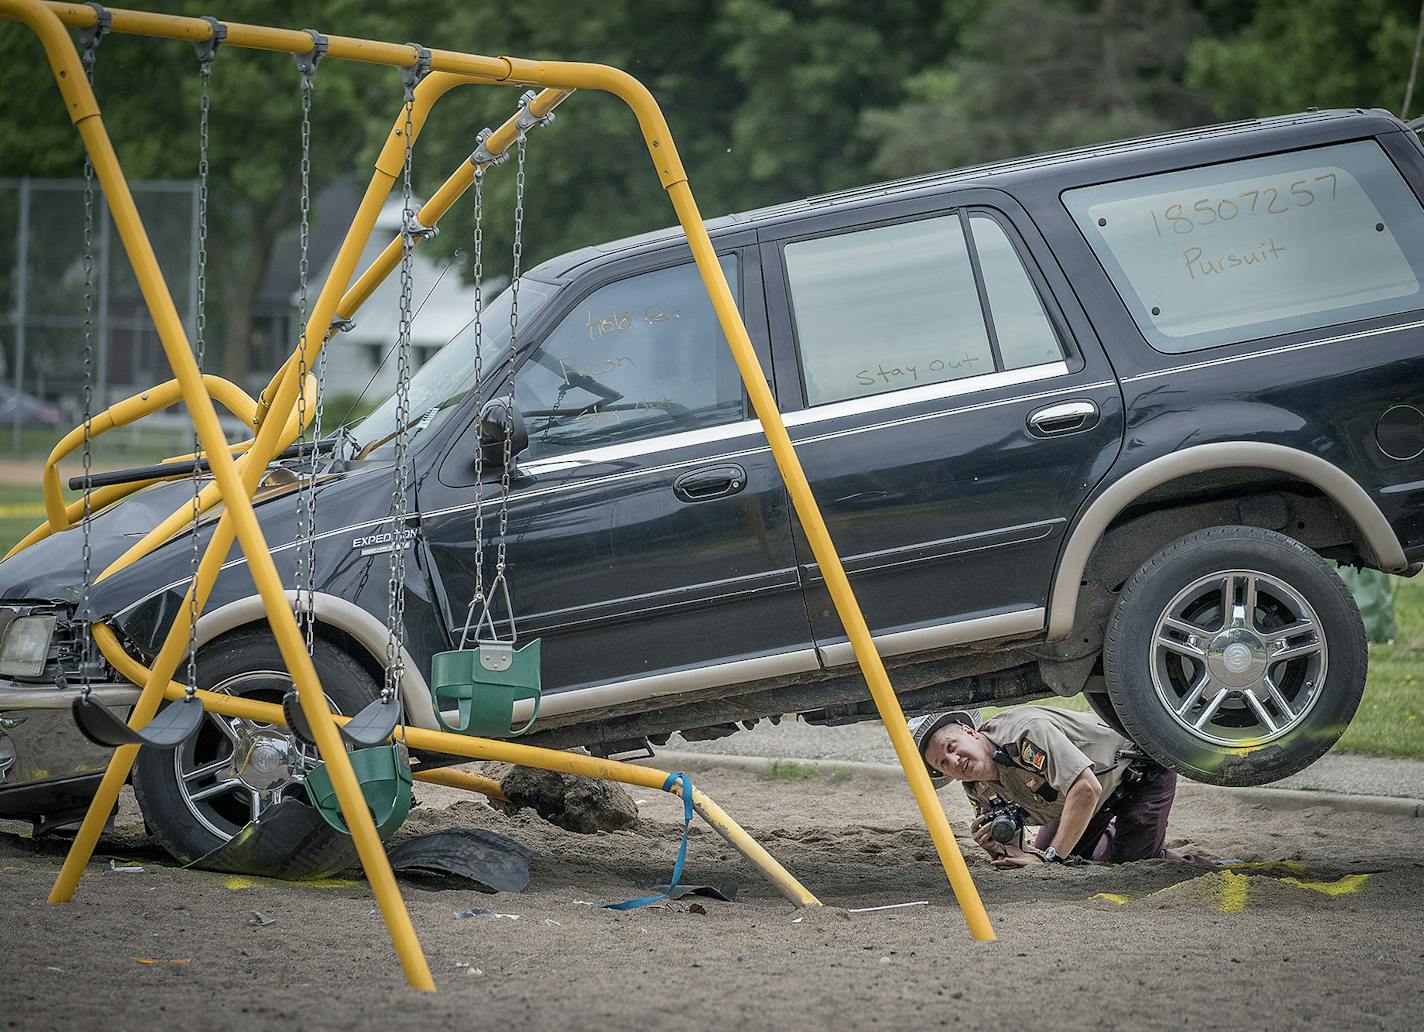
x=649 y=532
x=950 y=404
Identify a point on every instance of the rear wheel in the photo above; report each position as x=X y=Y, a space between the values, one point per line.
x=198 y=796
x=1235 y=656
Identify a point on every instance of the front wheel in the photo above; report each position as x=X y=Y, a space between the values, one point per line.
x=1235 y=656
x=198 y=796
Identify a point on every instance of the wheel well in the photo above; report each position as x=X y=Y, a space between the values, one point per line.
x=341 y=639
x=1268 y=499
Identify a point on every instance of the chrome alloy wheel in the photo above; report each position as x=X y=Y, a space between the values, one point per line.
x=234 y=769
x=1238 y=658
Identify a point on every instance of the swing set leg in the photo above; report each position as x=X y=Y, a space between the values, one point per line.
x=238 y=518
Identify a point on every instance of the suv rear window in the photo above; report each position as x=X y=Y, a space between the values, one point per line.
x=1249 y=249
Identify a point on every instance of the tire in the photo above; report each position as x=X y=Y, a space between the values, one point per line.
x=1249 y=625
x=1102 y=707
x=246 y=663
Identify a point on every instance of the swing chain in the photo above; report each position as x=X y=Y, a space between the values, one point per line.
x=395 y=601
x=306 y=498
x=479 y=272
x=518 y=254
x=207 y=51
x=91 y=37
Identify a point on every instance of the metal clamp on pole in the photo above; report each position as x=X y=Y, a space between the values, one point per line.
x=306 y=63
x=416 y=230
x=91 y=37
x=208 y=48
x=482 y=156
x=412 y=74
x=341 y=324
x=527 y=119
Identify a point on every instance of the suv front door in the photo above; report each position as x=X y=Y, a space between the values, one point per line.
x=953 y=413
x=649 y=535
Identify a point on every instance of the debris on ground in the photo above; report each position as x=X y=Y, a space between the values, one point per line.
x=491 y=861
x=726 y=892
x=887 y=906
x=461 y=915
x=567 y=800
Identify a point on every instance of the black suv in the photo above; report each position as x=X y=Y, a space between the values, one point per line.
x=1087 y=422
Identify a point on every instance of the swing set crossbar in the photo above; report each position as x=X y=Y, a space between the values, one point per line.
x=236 y=477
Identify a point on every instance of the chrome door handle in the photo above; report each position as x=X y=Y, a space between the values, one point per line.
x=1069 y=417
x=702 y=485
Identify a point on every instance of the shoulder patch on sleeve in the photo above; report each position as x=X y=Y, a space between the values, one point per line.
x=1031 y=755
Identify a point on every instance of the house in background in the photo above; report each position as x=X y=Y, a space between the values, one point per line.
x=442 y=305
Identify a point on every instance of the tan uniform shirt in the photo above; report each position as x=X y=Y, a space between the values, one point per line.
x=1042 y=750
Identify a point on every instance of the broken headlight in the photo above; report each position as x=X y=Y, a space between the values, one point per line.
x=26 y=646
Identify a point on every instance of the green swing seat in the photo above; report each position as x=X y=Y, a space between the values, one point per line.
x=383 y=772
x=483 y=685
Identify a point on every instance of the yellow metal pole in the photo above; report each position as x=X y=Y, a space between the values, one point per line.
x=491 y=749
x=441 y=202
x=463 y=779
x=674 y=179
x=85 y=114
x=886 y=702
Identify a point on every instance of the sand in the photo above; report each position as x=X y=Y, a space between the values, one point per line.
x=1147 y=945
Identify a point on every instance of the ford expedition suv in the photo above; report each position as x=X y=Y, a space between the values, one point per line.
x=1093 y=422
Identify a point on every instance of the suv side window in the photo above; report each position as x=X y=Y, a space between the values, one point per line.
x=638 y=358
x=902 y=305
x=1025 y=336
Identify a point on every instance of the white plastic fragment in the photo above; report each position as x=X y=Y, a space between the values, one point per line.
x=888 y=906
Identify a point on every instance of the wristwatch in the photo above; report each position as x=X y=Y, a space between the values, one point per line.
x=1050 y=856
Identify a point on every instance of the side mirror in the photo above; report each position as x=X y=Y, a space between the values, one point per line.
x=497 y=418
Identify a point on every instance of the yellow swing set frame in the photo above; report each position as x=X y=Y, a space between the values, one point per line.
x=237 y=469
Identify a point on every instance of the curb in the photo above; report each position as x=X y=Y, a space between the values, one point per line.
x=1276 y=798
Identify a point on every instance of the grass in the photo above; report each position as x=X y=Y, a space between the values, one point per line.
x=1390 y=721
x=793 y=770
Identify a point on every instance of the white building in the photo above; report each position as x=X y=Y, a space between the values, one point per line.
x=444 y=301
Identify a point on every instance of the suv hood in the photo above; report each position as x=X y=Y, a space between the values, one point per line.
x=52 y=569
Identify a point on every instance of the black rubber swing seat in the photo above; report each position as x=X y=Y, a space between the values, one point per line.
x=373 y=725
x=170 y=727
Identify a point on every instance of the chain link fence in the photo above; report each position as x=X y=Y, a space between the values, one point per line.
x=42 y=318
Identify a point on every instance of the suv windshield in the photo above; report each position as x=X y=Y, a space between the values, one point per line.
x=445 y=380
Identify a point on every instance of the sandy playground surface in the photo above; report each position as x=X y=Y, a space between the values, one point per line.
x=1324 y=930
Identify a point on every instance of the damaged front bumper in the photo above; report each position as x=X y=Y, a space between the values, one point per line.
x=48 y=770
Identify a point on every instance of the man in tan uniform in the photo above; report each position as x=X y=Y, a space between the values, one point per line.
x=1092 y=795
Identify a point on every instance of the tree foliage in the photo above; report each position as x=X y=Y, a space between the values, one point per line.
x=769 y=100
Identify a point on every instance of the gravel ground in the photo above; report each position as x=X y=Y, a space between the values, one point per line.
x=1319 y=930
x=867 y=743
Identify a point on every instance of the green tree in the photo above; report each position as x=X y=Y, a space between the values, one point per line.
x=1034 y=76
x=148 y=92
x=1328 y=53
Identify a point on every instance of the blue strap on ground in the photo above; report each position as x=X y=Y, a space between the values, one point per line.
x=682 y=779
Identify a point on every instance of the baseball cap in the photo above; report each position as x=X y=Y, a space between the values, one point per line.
x=921 y=728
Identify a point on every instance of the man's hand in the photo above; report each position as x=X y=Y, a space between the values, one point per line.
x=1013 y=856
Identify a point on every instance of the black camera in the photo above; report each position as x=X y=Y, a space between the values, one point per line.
x=1004 y=820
